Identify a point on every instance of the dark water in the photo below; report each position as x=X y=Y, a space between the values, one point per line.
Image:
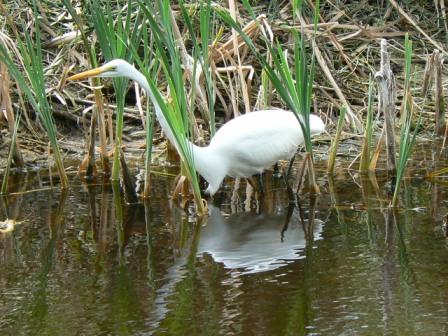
x=84 y=263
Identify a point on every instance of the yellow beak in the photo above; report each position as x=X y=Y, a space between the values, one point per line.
x=87 y=74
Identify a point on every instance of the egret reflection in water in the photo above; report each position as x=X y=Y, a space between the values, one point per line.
x=245 y=242
x=256 y=242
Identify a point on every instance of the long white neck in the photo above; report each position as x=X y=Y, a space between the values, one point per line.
x=143 y=82
x=203 y=161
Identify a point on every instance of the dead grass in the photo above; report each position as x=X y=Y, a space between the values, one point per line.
x=348 y=42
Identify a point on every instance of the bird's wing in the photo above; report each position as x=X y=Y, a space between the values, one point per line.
x=252 y=125
x=259 y=139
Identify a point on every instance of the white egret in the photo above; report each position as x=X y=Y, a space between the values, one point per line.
x=242 y=147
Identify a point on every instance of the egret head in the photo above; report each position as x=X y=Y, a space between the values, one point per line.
x=114 y=68
x=317 y=126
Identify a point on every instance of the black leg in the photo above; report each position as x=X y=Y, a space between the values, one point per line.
x=257 y=183
x=261 y=183
x=291 y=196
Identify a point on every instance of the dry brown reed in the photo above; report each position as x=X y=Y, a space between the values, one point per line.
x=347 y=50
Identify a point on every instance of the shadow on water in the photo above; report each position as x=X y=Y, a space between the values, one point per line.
x=85 y=261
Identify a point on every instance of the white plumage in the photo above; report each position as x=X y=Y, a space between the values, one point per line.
x=248 y=144
x=242 y=147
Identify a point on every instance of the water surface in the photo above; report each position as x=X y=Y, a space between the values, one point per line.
x=86 y=263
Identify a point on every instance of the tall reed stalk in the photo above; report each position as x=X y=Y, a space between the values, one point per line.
x=295 y=85
x=149 y=136
x=176 y=109
x=149 y=62
x=368 y=132
x=4 y=188
x=113 y=34
x=32 y=83
x=386 y=97
x=407 y=139
x=8 y=112
x=440 y=126
x=99 y=101
x=205 y=15
x=201 y=56
x=335 y=142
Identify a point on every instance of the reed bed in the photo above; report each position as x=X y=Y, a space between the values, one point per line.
x=114 y=32
x=214 y=61
x=98 y=117
x=32 y=82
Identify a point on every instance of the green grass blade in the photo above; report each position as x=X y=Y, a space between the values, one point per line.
x=4 y=188
x=407 y=138
x=175 y=111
